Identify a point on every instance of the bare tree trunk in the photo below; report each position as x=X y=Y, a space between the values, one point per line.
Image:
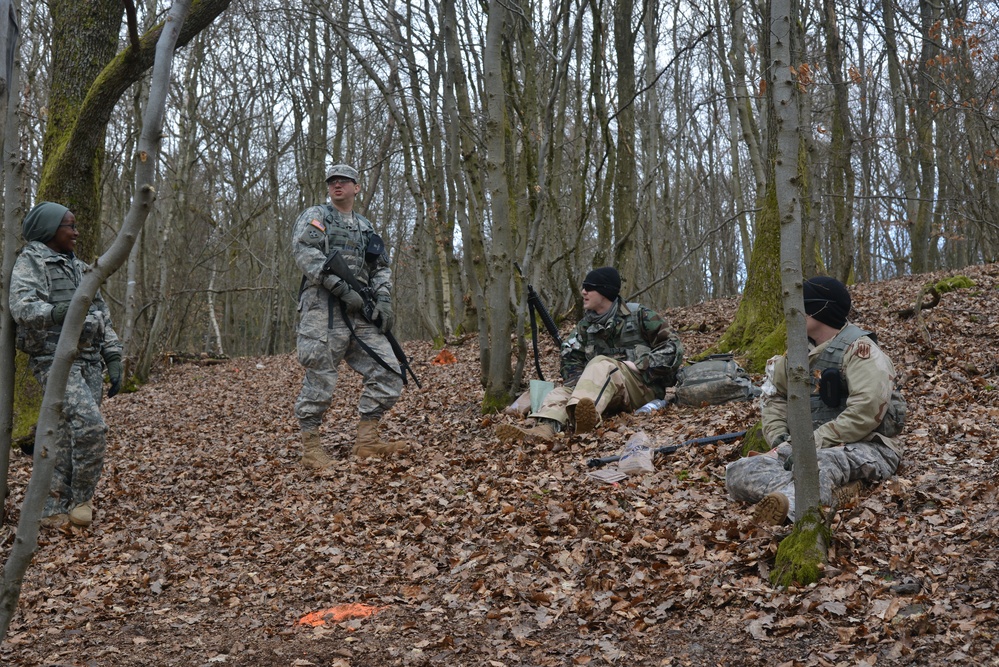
x=744 y=100
x=212 y=318
x=842 y=179
x=500 y=261
x=603 y=183
x=921 y=230
x=134 y=265
x=26 y=539
x=787 y=177
x=625 y=165
x=10 y=71
x=161 y=303
x=736 y=130
x=788 y=171
x=464 y=166
x=864 y=234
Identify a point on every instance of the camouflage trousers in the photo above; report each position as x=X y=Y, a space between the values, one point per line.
x=609 y=383
x=320 y=352
x=81 y=439
x=751 y=478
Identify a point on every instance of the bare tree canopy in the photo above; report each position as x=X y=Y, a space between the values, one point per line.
x=633 y=134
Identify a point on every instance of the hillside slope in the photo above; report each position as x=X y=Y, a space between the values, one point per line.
x=211 y=543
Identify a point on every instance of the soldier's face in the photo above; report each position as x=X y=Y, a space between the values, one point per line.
x=66 y=234
x=595 y=301
x=342 y=190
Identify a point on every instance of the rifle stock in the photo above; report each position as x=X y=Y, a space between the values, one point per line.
x=536 y=304
x=534 y=299
x=337 y=265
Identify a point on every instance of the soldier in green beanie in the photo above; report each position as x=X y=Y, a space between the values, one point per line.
x=44 y=280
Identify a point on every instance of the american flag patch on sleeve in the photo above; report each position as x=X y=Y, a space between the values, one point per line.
x=318 y=224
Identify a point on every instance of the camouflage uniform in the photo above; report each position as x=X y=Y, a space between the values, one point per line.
x=43 y=278
x=849 y=448
x=593 y=365
x=324 y=338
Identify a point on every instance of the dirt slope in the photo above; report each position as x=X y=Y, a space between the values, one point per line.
x=211 y=543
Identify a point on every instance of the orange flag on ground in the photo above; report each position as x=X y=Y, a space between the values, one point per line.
x=445 y=357
x=341 y=612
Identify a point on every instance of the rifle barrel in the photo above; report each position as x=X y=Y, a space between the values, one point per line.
x=669 y=449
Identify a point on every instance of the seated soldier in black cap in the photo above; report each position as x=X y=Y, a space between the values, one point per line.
x=856 y=412
x=621 y=356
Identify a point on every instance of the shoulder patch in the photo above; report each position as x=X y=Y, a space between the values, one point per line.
x=318 y=224
x=863 y=350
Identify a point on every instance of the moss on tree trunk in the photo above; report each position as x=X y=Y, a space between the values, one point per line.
x=801 y=554
x=758 y=331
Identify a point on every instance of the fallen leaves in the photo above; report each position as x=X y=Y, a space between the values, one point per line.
x=210 y=538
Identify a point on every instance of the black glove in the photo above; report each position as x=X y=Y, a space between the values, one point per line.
x=113 y=362
x=385 y=312
x=349 y=297
x=789 y=463
x=59 y=313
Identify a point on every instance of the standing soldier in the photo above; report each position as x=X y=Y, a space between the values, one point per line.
x=856 y=412
x=43 y=282
x=621 y=356
x=331 y=327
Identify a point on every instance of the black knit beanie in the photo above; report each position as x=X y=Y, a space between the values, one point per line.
x=605 y=280
x=827 y=300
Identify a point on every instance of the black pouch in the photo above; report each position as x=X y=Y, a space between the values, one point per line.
x=831 y=387
x=375 y=249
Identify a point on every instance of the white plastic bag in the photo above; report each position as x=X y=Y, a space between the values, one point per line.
x=636 y=457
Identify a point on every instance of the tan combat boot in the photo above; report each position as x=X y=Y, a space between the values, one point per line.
x=586 y=416
x=772 y=510
x=540 y=433
x=55 y=521
x=82 y=514
x=846 y=494
x=314 y=457
x=369 y=444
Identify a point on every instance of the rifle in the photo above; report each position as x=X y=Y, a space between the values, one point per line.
x=669 y=449
x=535 y=304
x=338 y=266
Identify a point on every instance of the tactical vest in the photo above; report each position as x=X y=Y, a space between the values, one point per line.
x=832 y=357
x=352 y=241
x=63 y=278
x=626 y=333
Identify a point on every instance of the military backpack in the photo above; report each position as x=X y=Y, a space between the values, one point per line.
x=717 y=379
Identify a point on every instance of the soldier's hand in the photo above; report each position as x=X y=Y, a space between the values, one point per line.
x=789 y=463
x=113 y=362
x=59 y=313
x=386 y=313
x=341 y=290
x=353 y=301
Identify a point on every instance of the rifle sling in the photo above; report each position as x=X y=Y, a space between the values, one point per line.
x=364 y=346
x=534 y=339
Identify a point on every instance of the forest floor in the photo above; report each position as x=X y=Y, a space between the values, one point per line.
x=211 y=544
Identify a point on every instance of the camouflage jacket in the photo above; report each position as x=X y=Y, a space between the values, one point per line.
x=43 y=278
x=627 y=332
x=870 y=377
x=317 y=231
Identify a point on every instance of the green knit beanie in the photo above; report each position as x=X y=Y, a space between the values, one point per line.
x=42 y=221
